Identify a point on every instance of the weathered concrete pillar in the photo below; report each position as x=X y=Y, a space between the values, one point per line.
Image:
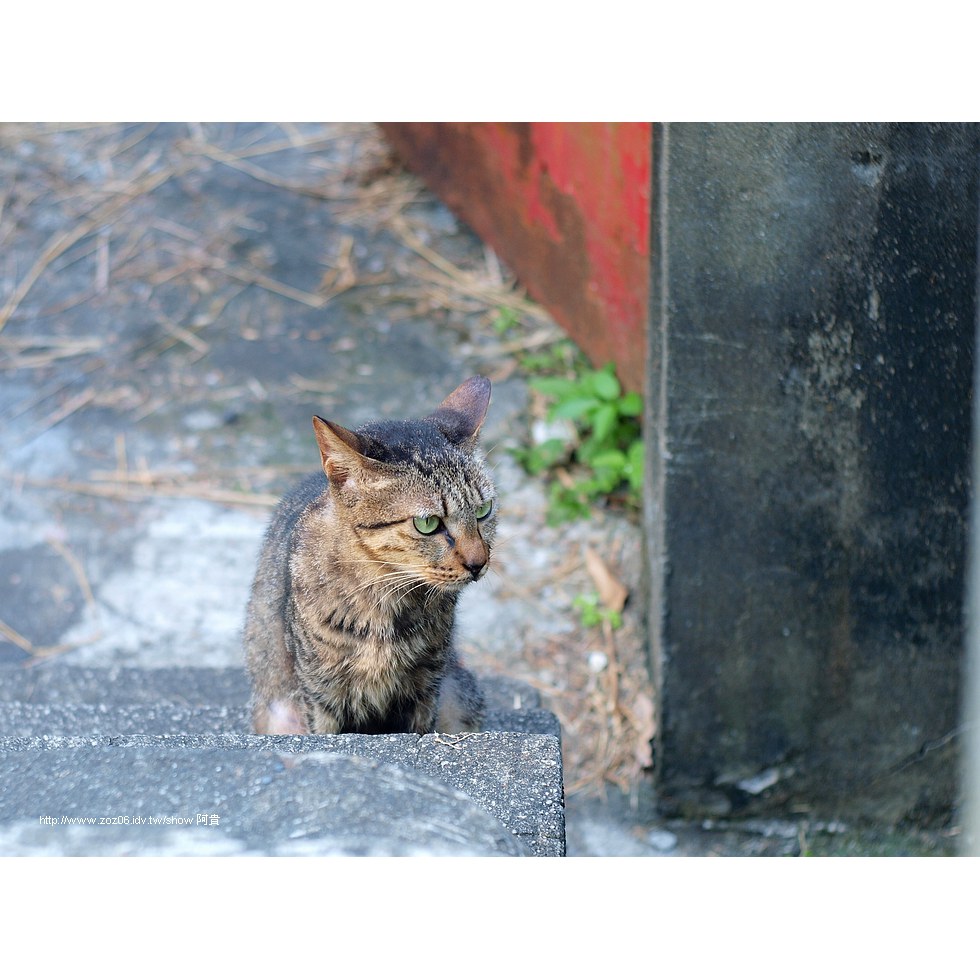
x=809 y=406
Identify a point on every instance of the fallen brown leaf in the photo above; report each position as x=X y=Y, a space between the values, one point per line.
x=612 y=592
x=646 y=728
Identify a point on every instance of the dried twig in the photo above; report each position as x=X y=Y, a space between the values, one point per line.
x=72 y=405
x=256 y=278
x=236 y=161
x=76 y=568
x=140 y=486
x=18 y=641
x=183 y=335
x=472 y=284
x=456 y=739
x=309 y=384
x=47 y=350
x=41 y=653
x=540 y=338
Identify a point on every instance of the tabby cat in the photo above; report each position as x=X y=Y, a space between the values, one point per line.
x=350 y=621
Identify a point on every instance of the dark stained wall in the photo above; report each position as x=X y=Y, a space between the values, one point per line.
x=812 y=340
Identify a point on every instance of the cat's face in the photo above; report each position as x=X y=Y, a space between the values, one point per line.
x=433 y=525
x=417 y=497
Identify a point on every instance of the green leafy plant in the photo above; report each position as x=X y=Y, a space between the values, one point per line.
x=593 y=613
x=505 y=320
x=605 y=456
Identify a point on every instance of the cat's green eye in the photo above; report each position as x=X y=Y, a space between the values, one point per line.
x=427 y=525
x=484 y=509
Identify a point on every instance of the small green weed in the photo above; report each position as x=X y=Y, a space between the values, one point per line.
x=605 y=457
x=554 y=359
x=593 y=613
x=506 y=320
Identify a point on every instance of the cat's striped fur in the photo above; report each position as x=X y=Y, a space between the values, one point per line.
x=350 y=622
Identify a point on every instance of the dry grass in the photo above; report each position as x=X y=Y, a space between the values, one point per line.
x=148 y=485
x=102 y=213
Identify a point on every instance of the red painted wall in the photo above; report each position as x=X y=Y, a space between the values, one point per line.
x=566 y=206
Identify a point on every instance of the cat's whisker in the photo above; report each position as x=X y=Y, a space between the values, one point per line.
x=370 y=587
x=396 y=577
x=393 y=586
x=347 y=560
x=431 y=593
x=415 y=588
x=404 y=576
x=383 y=561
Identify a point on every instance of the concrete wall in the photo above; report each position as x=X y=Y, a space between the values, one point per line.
x=809 y=403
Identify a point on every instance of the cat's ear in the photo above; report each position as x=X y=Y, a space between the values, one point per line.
x=461 y=414
x=340 y=451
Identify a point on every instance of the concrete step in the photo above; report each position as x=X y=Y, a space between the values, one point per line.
x=55 y=683
x=485 y=793
x=126 y=761
x=52 y=699
x=21 y=719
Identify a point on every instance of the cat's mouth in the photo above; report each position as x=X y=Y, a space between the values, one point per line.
x=455 y=580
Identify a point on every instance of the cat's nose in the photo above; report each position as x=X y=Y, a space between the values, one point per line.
x=475 y=567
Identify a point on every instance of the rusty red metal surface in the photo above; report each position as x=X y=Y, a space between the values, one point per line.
x=566 y=206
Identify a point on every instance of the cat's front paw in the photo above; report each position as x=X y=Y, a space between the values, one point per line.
x=280 y=718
